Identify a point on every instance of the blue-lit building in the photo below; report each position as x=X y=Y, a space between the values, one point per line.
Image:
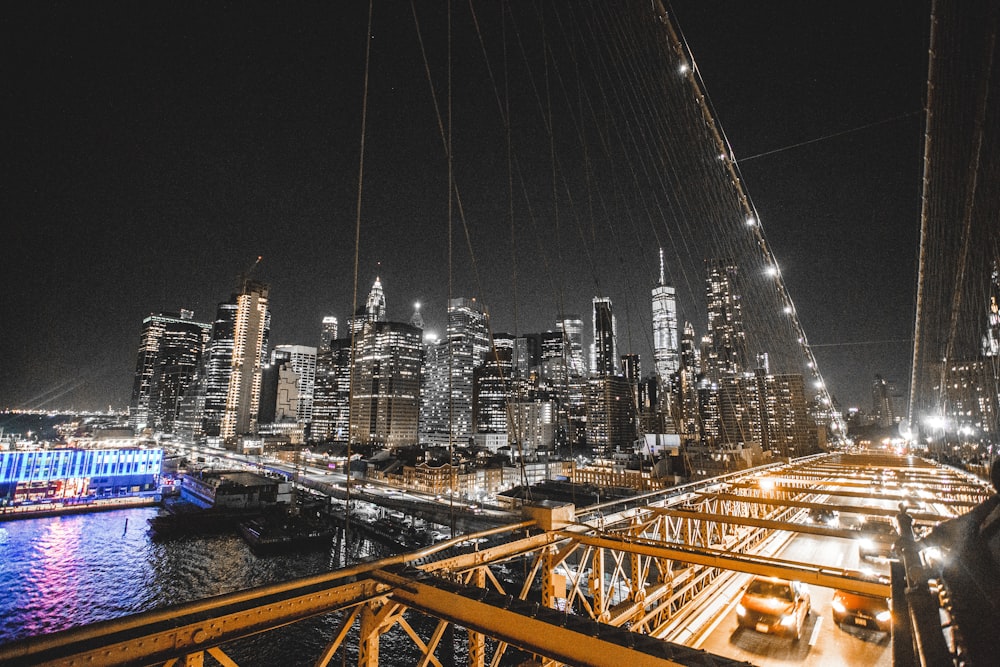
x=64 y=474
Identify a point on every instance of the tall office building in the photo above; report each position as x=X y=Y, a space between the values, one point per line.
x=171 y=346
x=372 y=311
x=685 y=392
x=468 y=340
x=991 y=338
x=765 y=410
x=727 y=351
x=611 y=418
x=571 y=327
x=665 y=348
x=250 y=332
x=385 y=399
x=604 y=355
x=882 y=407
x=492 y=385
x=332 y=391
x=299 y=364
x=218 y=368
x=434 y=386
x=328 y=333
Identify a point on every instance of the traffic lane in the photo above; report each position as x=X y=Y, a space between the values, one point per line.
x=823 y=643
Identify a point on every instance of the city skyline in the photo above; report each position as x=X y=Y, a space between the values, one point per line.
x=153 y=186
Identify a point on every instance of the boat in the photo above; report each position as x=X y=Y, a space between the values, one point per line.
x=274 y=533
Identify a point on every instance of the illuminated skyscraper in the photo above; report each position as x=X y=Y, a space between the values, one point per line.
x=571 y=327
x=250 y=331
x=372 y=311
x=991 y=339
x=300 y=362
x=386 y=396
x=727 y=338
x=665 y=348
x=329 y=332
x=218 y=368
x=171 y=347
x=604 y=355
x=468 y=342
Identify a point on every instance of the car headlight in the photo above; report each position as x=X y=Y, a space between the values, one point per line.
x=883 y=616
x=741 y=610
x=788 y=620
x=932 y=555
x=838 y=606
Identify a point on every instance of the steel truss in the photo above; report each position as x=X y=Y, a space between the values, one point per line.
x=608 y=589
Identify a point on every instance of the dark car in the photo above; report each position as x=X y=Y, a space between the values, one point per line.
x=878 y=534
x=774 y=606
x=823 y=516
x=864 y=611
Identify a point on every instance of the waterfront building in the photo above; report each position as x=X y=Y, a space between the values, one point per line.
x=62 y=475
x=604 y=356
x=234 y=490
x=171 y=346
x=666 y=352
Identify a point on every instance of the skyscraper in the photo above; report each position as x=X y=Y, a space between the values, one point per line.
x=250 y=331
x=727 y=353
x=331 y=395
x=218 y=369
x=434 y=386
x=171 y=347
x=372 y=311
x=301 y=360
x=571 y=327
x=329 y=332
x=468 y=342
x=386 y=396
x=604 y=356
x=665 y=349
x=882 y=407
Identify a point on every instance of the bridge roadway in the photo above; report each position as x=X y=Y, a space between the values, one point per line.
x=648 y=581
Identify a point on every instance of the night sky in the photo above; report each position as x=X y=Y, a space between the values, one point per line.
x=153 y=151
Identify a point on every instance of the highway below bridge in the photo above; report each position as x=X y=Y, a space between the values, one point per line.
x=653 y=580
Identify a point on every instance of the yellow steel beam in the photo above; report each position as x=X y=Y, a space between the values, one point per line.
x=531 y=634
x=163 y=634
x=850 y=580
x=768 y=523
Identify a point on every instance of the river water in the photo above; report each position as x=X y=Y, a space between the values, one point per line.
x=64 y=571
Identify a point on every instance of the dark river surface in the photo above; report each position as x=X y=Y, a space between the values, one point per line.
x=64 y=571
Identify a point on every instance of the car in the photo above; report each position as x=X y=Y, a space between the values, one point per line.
x=774 y=606
x=877 y=538
x=860 y=610
x=823 y=516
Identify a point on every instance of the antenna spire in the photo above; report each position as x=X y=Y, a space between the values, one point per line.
x=662 y=274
